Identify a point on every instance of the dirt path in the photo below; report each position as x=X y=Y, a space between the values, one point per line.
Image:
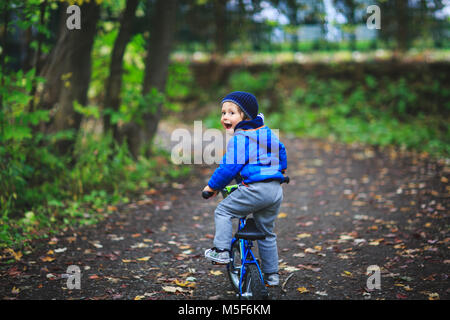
x=346 y=208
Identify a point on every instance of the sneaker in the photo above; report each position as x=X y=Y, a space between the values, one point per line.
x=217 y=255
x=272 y=279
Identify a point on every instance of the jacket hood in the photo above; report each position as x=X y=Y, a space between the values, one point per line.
x=250 y=124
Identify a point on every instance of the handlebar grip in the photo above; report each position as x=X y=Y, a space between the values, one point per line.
x=286 y=179
x=207 y=194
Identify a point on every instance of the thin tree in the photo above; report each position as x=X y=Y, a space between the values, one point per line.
x=68 y=72
x=114 y=81
x=162 y=31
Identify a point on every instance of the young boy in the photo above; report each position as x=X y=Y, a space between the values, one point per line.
x=256 y=153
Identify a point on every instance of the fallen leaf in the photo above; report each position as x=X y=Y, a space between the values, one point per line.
x=70 y=239
x=139 y=297
x=291 y=269
x=309 y=267
x=282 y=215
x=47 y=259
x=184 y=284
x=152 y=191
x=17 y=256
x=172 y=289
x=143 y=259
x=376 y=242
x=303 y=235
x=216 y=273
x=126 y=261
x=345 y=237
x=13 y=272
x=407 y=288
x=302 y=290
x=139 y=245
x=96 y=244
x=433 y=296
x=401 y=296
x=15 y=290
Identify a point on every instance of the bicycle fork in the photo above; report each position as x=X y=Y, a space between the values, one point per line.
x=250 y=258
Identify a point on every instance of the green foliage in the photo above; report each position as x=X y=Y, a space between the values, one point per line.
x=256 y=83
x=374 y=112
x=42 y=191
x=180 y=86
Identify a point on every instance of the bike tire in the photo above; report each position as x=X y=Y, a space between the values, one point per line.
x=253 y=284
x=234 y=267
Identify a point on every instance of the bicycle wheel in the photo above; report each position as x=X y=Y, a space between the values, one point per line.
x=234 y=267
x=253 y=287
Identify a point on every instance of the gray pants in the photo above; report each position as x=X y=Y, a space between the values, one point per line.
x=263 y=199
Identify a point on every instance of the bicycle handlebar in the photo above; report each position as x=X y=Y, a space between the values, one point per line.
x=208 y=194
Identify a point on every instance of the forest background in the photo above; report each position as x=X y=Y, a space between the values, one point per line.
x=80 y=108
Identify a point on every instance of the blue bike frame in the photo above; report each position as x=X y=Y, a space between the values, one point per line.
x=247 y=255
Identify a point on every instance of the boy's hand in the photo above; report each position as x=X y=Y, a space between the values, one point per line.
x=207 y=188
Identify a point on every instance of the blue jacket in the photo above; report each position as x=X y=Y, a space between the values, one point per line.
x=255 y=152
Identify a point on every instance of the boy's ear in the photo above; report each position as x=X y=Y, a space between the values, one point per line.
x=244 y=116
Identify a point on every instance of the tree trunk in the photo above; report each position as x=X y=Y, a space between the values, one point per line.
x=114 y=82
x=401 y=10
x=68 y=72
x=156 y=68
x=220 y=26
x=36 y=60
x=3 y=55
x=351 y=7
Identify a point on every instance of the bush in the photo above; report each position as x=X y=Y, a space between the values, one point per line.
x=366 y=114
x=42 y=191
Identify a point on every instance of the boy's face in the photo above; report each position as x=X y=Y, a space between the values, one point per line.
x=231 y=116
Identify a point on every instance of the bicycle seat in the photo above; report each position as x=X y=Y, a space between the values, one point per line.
x=250 y=231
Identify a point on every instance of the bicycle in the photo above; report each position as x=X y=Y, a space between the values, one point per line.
x=244 y=270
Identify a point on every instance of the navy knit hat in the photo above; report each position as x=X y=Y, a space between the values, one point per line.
x=246 y=101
